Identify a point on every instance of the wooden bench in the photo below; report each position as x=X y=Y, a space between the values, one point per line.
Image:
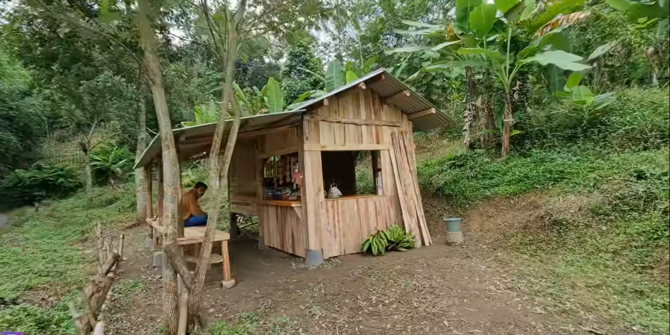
x=196 y=236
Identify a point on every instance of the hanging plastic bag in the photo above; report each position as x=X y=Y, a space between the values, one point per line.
x=334 y=192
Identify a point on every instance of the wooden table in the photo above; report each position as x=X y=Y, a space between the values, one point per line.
x=196 y=236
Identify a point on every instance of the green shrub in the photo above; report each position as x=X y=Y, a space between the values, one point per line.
x=111 y=164
x=637 y=120
x=40 y=181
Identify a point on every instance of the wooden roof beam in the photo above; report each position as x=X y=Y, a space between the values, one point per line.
x=428 y=111
x=398 y=96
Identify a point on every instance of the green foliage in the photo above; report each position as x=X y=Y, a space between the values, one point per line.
x=393 y=238
x=205 y=113
x=110 y=163
x=334 y=76
x=40 y=250
x=625 y=64
x=33 y=320
x=39 y=182
x=637 y=119
x=475 y=175
x=274 y=98
x=301 y=72
x=20 y=120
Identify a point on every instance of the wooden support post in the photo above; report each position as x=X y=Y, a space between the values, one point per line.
x=362 y=86
x=148 y=189
x=159 y=206
x=233 y=224
x=311 y=197
x=228 y=281
x=259 y=193
x=180 y=223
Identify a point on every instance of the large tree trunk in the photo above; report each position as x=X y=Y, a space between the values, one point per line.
x=141 y=184
x=486 y=120
x=507 y=125
x=170 y=217
x=219 y=164
x=469 y=113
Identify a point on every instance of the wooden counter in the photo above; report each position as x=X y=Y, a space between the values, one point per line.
x=252 y=200
x=280 y=203
x=357 y=196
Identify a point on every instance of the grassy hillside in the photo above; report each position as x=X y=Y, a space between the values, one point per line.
x=41 y=258
x=605 y=256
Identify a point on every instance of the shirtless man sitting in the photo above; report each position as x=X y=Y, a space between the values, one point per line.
x=193 y=214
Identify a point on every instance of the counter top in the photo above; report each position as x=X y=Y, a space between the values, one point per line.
x=281 y=203
x=357 y=196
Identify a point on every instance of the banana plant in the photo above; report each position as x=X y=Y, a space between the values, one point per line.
x=544 y=50
x=583 y=96
x=205 y=113
x=465 y=41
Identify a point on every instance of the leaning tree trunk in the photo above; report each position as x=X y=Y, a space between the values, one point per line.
x=170 y=217
x=469 y=114
x=140 y=184
x=507 y=125
x=219 y=165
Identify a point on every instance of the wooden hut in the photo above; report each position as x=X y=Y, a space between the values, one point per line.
x=285 y=164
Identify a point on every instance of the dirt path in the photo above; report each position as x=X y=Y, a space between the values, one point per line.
x=434 y=290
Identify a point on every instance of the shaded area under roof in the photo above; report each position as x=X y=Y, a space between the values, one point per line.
x=196 y=141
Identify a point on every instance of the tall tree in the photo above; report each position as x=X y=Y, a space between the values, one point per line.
x=301 y=72
x=170 y=162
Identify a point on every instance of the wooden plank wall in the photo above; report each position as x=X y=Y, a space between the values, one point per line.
x=279 y=227
x=282 y=228
x=280 y=142
x=348 y=222
x=343 y=224
x=242 y=177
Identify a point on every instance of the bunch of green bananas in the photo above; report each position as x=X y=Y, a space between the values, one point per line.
x=376 y=243
x=398 y=239
x=394 y=238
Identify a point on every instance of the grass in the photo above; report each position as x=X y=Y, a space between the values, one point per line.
x=252 y=324
x=41 y=255
x=476 y=175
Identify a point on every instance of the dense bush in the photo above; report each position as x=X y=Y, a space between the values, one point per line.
x=627 y=64
x=111 y=164
x=638 y=120
x=40 y=181
x=477 y=174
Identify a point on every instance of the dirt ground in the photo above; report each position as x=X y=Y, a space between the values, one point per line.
x=433 y=290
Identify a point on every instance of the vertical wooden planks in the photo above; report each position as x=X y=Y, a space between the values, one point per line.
x=406 y=138
x=282 y=229
x=405 y=188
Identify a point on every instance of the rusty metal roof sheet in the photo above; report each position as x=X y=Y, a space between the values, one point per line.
x=386 y=88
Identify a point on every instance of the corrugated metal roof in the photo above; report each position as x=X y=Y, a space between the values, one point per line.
x=385 y=88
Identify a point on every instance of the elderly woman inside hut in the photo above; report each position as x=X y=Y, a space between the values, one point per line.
x=193 y=214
